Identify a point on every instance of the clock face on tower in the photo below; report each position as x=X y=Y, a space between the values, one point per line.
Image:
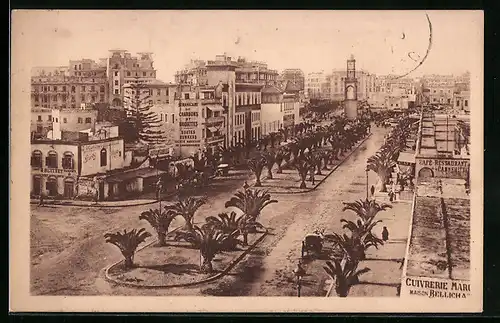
x=350 y=65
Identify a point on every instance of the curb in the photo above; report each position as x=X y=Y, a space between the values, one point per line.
x=329 y=291
x=205 y=280
x=331 y=171
x=103 y=205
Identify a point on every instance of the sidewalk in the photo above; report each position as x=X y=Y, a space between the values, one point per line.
x=289 y=181
x=384 y=276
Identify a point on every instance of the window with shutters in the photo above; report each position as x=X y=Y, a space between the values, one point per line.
x=51 y=160
x=88 y=120
x=36 y=159
x=67 y=161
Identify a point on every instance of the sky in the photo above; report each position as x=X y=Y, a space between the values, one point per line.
x=383 y=42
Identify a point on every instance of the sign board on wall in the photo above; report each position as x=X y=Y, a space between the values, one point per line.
x=444 y=168
x=434 y=288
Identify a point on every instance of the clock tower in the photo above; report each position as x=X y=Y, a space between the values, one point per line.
x=351 y=90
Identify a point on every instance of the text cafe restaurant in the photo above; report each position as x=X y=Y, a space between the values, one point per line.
x=457 y=168
x=57 y=165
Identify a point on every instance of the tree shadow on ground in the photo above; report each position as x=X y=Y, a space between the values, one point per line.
x=182 y=269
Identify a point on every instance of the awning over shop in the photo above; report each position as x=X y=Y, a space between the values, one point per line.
x=405 y=157
x=142 y=172
x=216 y=108
x=212 y=129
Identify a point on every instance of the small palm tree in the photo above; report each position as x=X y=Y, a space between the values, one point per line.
x=317 y=158
x=345 y=273
x=366 y=209
x=128 y=242
x=302 y=165
x=209 y=240
x=231 y=225
x=160 y=223
x=186 y=208
x=256 y=165
x=270 y=158
x=251 y=202
x=325 y=155
x=280 y=155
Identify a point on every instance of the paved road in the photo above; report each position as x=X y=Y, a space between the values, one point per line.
x=75 y=268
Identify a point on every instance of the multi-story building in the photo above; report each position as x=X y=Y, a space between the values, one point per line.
x=82 y=83
x=43 y=120
x=316 y=85
x=280 y=108
x=365 y=86
x=461 y=101
x=294 y=75
x=59 y=166
x=194 y=73
x=241 y=95
x=123 y=68
x=441 y=94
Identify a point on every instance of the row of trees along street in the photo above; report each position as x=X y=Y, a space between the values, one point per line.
x=301 y=148
x=350 y=248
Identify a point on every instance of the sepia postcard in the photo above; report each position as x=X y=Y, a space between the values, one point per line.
x=296 y=161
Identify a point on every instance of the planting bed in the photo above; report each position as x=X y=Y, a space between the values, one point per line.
x=427 y=254
x=458 y=211
x=178 y=263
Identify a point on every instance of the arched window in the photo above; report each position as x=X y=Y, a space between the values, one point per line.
x=51 y=160
x=67 y=160
x=36 y=158
x=104 y=157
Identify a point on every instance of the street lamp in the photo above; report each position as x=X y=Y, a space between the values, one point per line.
x=366 y=170
x=299 y=272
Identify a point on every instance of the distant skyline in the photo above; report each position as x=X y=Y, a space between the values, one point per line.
x=383 y=42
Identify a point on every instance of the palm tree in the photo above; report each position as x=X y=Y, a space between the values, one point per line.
x=270 y=158
x=366 y=209
x=302 y=165
x=363 y=232
x=160 y=222
x=231 y=225
x=186 y=208
x=317 y=158
x=128 y=242
x=256 y=165
x=251 y=203
x=325 y=155
x=345 y=273
x=210 y=240
x=381 y=163
x=280 y=155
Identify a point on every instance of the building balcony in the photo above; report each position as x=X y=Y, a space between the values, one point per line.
x=211 y=101
x=214 y=139
x=211 y=121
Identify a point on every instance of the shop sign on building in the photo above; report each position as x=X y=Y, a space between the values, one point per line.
x=435 y=288
x=445 y=168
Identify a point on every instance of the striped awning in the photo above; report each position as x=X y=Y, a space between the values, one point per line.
x=212 y=129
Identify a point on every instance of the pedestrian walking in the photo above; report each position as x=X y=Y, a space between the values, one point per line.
x=41 y=199
x=391 y=196
x=385 y=234
x=372 y=190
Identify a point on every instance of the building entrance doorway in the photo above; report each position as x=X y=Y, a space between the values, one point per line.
x=101 y=191
x=37 y=185
x=68 y=190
